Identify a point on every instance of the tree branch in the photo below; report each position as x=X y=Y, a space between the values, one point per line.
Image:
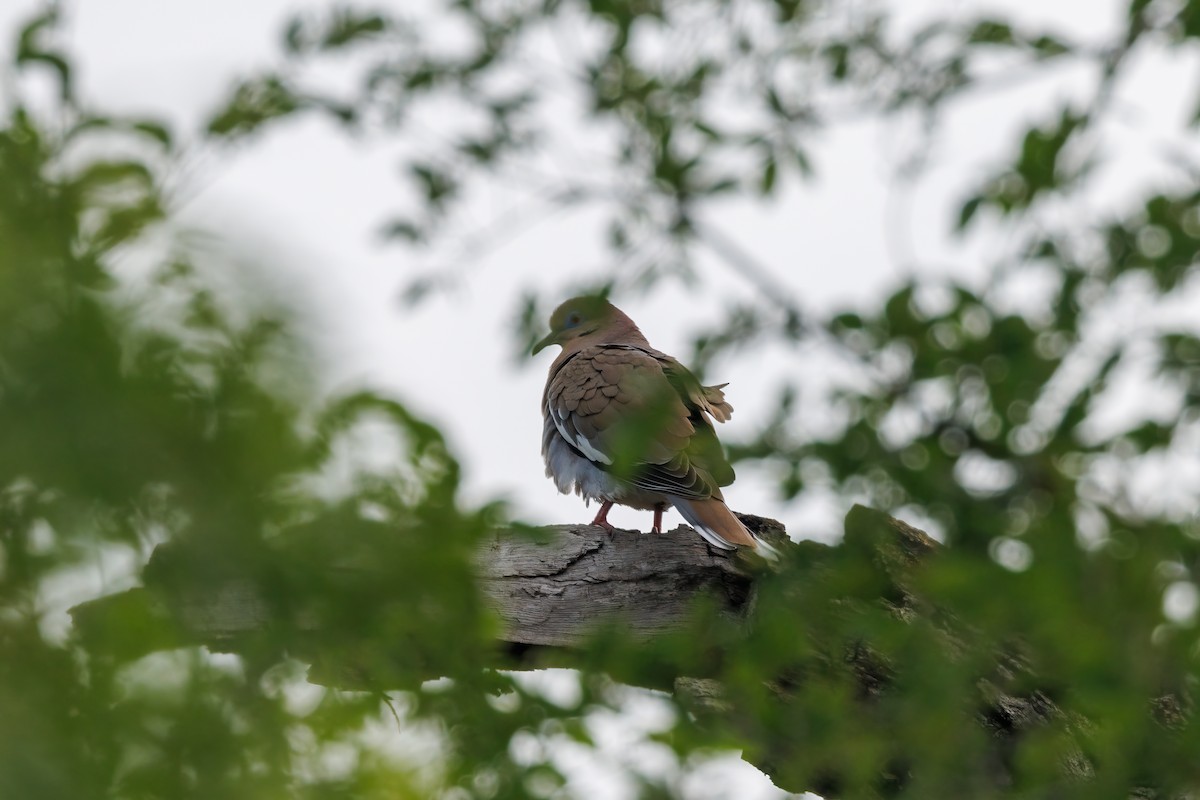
x=553 y=587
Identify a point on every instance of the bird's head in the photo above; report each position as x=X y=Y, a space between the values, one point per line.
x=586 y=320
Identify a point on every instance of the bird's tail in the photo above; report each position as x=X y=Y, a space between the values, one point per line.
x=713 y=520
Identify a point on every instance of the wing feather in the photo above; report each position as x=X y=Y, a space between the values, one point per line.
x=642 y=414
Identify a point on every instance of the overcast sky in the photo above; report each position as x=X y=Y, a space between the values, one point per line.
x=309 y=200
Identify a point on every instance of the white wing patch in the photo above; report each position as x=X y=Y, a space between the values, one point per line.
x=577 y=439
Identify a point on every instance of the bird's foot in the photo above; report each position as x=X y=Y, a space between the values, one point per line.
x=657 y=526
x=602 y=517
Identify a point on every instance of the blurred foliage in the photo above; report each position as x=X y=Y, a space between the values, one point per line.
x=138 y=410
x=1069 y=576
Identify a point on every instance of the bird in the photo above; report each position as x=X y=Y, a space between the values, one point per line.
x=624 y=423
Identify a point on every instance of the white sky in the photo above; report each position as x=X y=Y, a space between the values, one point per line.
x=310 y=200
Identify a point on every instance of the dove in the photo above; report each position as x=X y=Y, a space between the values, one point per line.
x=626 y=424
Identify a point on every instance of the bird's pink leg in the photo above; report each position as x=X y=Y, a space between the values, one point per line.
x=602 y=516
x=657 y=527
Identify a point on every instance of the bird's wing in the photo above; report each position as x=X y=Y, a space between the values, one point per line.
x=617 y=406
x=705 y=404
x=709 y=400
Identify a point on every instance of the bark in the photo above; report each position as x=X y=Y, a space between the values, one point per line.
x=552 y=589
x=549 y=589
x=550 y=592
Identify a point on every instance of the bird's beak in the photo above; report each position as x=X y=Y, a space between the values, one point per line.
x=551 y=338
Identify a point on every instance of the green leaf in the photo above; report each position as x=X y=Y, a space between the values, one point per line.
x=108 y=176
x=766 y=183
x=146 y=128
x=437 y=184
x=348 y=27
x=902 y=320
x=155 y=130
x=847 y=321
x=406 y=229
x=1048 y=46
x=991 y=31
x=254 y=104
x=293 y=36
x=838 y=56
x=803 y=162
x=28 y=34
x=31 y=50
x=967 y=212
x=1150 y=435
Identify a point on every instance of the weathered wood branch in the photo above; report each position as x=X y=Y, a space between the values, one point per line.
x=551 y=590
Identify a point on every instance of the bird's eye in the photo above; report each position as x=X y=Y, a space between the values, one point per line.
x=572 y=320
